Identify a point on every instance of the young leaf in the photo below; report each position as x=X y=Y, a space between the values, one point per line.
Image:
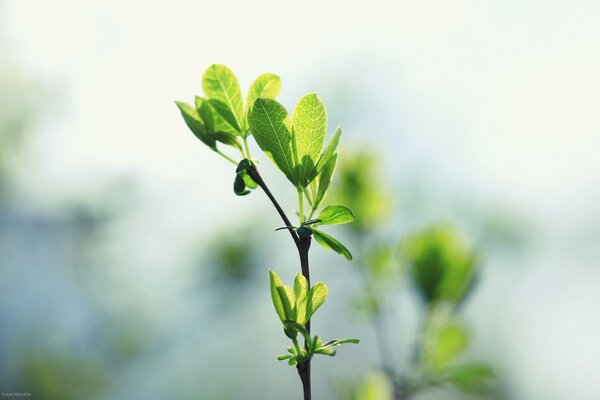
x=249 y=181
x=239 y=186
x=316 y=296
x=266 y=86
x=293 y=325
x=275 y=283
x=330 y=243
x=335 y=214
x=325 y=178
x=301 y=293
x=309 y=120
x=205 y=113
x=224 y=95
x=327 y=153
x=194 y=122
x=288 y=299
x=267 y=119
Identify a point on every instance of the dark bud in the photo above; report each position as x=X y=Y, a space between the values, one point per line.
x=304 y=232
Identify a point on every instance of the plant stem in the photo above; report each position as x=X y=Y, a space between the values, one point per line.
x=300 y=206
x=247 y=148
x=303 y=245
x=231 y=160
x=253 y=172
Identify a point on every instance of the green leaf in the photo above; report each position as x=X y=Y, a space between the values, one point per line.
x=208 y=118
x=224 y=95
x=327 y=153
x=335 y=214
x=289 y=302
x=315 y=298
x=330 y=243
x=266 y=86
x=443 y=345
x=194 y=122
x=269 y=126
x=239 y=186
x=309 y=120
x=301 y=293
x=325 y=178
x=442 y=265
x=274 y=283
x=471 y=377
x=249 y=181
x=228 y=139
x=206 y=113
x=293 y=325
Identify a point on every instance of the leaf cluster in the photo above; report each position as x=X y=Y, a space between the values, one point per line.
x=295 y=306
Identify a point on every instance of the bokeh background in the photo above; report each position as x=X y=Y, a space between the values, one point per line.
x=129 y=270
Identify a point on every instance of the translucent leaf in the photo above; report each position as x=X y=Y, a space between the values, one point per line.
x=275 y=283
x=222 y=89
x=301 y=293
x=325 y=179
x=309 y=120
x=334 y=215
x=289 y=302
x=315 y=298
x=194 y=122
x=327 y=153
x=266 y=86
x=267 y=119
x=330 y=243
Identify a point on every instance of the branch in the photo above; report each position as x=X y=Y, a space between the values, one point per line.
x=253 y=172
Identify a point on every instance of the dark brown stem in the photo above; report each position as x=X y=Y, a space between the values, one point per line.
x=253 y=172
x=303 y=245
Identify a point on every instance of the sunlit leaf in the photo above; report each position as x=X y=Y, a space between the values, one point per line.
x=194 y=122
x=315 y=298
x=301 y=293
x=288 y=299
x=309 y=121
x=335 y=214
x=275 y=283
x=330 y=243
x=327 y=153
x=267 y=119
x=266 y=86
x=222 y=89
x=325 y=179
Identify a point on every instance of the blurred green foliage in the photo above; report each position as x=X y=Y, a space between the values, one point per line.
x=441 y=268
x=359 y=185
x=61 y=377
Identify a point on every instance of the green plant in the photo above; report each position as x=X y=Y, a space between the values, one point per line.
x=441 y=270
x=296 y=145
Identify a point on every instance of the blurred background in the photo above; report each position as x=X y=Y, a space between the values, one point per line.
x=129 y=270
